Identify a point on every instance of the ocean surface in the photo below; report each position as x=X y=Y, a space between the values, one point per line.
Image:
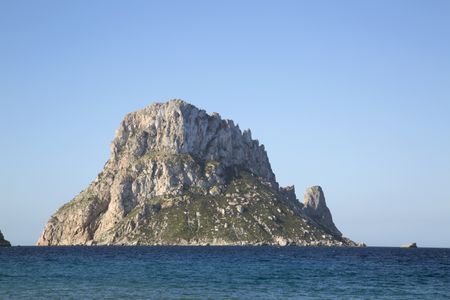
x=223 y=273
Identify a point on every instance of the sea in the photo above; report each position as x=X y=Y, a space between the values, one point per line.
x=211 y=272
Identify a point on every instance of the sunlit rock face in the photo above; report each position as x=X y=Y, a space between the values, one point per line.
x=178 y=175
x=316 y=208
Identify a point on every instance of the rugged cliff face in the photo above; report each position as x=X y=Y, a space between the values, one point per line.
x=178 y=175
x=3 y=242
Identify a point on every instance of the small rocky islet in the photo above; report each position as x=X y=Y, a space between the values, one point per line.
x=180 y=176
x=3 y=242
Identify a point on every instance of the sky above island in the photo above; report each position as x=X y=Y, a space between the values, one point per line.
x=350 y=95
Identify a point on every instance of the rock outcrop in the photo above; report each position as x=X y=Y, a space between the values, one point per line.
x=178 y=175
x=315 y=207
x=410 y=245
x=3 y=242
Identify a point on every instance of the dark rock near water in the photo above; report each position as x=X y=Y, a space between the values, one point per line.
x=3 y=242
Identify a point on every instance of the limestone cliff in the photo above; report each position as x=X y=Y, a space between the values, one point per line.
x=178 y=175
x=3 y=242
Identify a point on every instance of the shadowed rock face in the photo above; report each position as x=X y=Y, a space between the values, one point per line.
x=178 y=175
x=3 y=242
x=315 y=207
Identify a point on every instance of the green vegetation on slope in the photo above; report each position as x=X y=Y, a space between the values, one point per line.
x=247 y=212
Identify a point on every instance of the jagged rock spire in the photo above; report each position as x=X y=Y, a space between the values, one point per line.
x=315 y=207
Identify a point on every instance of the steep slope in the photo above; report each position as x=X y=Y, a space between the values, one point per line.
x=178 y=175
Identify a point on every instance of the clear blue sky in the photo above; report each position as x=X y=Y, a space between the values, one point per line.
x=350 y=95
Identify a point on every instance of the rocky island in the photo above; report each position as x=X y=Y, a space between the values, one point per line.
x=3 y=242
x=180 y=176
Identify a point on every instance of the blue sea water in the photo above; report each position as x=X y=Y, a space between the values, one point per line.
x=223 y=273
